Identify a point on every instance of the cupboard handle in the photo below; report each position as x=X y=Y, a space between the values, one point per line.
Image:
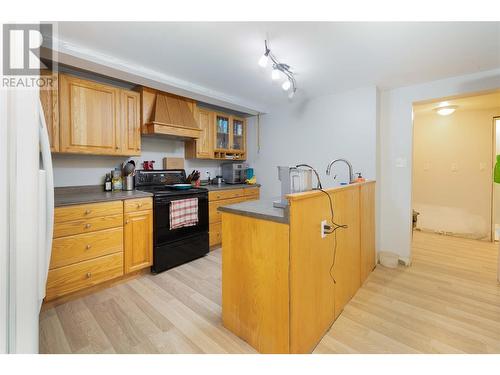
x=126 y=221
x=87 y=212
x=89 y=275
x=87 y=226
x=117 y=147
x=88 y=247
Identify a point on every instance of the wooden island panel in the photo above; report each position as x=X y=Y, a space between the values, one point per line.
x=255 y=298
x=283 y=285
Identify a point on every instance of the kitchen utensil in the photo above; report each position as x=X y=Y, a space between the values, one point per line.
x=128 y=169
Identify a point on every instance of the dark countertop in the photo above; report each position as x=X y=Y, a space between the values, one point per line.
x=260 y=209
x=66 y=196
x=229 y=186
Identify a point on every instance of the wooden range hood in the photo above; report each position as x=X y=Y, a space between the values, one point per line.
x=167 y=114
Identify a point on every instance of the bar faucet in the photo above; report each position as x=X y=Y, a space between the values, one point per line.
x=349 y=165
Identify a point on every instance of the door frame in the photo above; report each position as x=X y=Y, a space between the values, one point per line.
x=447 y=98
x=493 y=197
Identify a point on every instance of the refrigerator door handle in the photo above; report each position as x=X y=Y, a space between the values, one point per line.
x=49 y=202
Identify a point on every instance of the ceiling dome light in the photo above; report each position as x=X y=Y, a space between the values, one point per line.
x=286 y=85
x=445 y=111
x=275 y=75
x=263 y=61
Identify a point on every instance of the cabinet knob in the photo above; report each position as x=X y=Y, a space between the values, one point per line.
x=88 y=247
x=89 y=275
x=87 y=226
x=126 y=221
x=139 y=205
x=117 y=148
x=87 y=212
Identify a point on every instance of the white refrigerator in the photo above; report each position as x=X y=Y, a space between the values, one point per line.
x=27 y=199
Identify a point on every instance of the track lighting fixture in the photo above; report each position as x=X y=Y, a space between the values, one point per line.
x=279 y=71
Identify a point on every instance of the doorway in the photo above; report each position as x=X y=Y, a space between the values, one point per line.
x=453 y=159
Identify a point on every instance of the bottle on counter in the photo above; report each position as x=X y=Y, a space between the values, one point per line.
x=116 y=182
x=107 y=182
x=360 y=178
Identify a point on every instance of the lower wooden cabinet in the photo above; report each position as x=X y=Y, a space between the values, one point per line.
x=81 y=275
x=98 y=242
x=218 y=198
x=138 y=240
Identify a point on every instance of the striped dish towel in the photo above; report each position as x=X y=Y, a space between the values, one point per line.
x=183 y=213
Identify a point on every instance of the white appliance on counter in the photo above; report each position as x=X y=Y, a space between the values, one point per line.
x=27 y=219
x=293 y=180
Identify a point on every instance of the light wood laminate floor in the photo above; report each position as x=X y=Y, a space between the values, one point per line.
x=448 y=301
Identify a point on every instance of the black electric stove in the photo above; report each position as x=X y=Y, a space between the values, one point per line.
x=173 y=247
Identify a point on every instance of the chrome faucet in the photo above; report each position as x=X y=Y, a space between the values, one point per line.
x=349 y=165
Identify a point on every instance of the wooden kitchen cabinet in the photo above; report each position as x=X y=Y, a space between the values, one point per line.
x=130 y=106
x=49 y=97
x=138 y=237
x=203 y=147
x=89 y=117
x=219 y=198
x=97 y=118
x=230 y=137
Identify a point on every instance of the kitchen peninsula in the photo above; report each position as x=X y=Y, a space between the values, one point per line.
x=283 y=282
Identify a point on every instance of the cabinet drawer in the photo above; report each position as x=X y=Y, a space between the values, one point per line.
x=72 y=278
x=225 y=194
x=214 y=216
x=87 y=211
x=140 y=204
x=215 y=234
x=87 y=225
x=73 y=249
x=252 y=193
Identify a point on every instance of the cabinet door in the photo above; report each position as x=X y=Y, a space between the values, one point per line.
x=238 y=131
x=89 y=117
x=50 y=103
x=204 y=145
x=131 y=122
x=222 y=132
x=138 y=240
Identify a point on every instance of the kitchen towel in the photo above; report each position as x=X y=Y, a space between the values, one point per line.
x=183 y=213
x=496 y=174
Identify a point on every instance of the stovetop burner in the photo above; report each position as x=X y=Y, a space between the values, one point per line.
x=159 y=182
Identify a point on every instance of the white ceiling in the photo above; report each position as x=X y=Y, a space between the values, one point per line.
x=221 y=58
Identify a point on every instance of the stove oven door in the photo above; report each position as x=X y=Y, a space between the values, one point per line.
x=162 y=232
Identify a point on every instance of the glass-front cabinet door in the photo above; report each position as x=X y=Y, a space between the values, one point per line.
x=222 y=137
x=238 y=130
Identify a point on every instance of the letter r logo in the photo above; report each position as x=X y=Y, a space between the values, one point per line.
x=21 y=48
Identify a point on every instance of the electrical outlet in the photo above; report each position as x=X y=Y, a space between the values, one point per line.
x=323 y=225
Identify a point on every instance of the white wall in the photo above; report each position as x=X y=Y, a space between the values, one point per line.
x=315 y=132
x=73 y=170
x=452 y=179
x=395 y=179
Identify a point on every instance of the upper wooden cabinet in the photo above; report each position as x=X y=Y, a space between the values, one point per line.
x=96 y=118
x=49 y=96
x=202 y=148
x=223 y=136
x=131 y=122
